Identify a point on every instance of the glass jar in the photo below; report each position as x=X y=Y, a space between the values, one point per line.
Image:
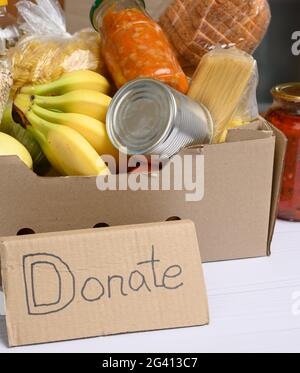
x=285 y=115
x=134 y=45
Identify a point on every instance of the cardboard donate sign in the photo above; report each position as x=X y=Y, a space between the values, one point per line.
x=98 y=282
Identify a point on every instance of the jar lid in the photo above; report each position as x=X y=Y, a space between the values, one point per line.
x=97 y=4
x=288 y=92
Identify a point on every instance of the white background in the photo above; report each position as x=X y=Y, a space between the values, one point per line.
x=254 y=305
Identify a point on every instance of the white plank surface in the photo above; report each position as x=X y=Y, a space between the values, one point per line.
x=254 y=305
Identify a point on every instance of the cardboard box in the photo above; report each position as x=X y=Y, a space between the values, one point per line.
x=62 y=286
x=234 y=220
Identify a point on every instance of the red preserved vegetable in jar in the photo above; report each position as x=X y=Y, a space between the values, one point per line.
x=134 y=45
x=285 y=115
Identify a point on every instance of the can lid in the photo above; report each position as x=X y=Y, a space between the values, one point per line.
x=288 y=92
x=97 y=4
x=141 y=116
x=3 y=2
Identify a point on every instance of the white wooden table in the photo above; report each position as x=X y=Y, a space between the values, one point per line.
x=254 y=304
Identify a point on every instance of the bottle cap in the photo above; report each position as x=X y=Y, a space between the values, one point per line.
x=3 y=2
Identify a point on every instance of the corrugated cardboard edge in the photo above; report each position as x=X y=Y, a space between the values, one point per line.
x=3 y=288
x=279 y=161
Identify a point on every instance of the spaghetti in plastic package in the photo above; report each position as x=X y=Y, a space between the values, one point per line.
x=195 y=27
x=47 y=50
x=225 y=82
x=247 y=110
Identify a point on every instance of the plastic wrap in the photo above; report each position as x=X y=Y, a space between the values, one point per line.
x=195 y=27
x=6 y=82
x=47 y=51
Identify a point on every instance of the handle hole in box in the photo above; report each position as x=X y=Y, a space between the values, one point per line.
x=174 y=218
x=25 y=232
x=101 y=225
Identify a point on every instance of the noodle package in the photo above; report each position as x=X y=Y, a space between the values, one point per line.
x=225 y=82
x=47 y=51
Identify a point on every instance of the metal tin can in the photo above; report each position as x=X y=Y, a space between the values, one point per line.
x=150 y=118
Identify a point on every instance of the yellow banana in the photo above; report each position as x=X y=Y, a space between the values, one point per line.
x=7 y=121
x=67 y=151
x=91 y=129
x=10 y=146
x=84 y=79
x=22 y=103
x=10 y=127
x=91 y=103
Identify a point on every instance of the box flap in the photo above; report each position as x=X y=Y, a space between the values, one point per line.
x=70 y=285
x=263 y=129
x=280 y=152
x=253 y=131
x=239 y=134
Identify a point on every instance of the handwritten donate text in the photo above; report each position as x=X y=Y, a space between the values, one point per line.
x=93 y=289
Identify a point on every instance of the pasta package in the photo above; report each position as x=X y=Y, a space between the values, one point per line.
x=47 y=51
x=225 y=82
x=195 y=27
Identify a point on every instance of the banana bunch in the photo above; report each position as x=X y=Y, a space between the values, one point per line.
x=67 y=118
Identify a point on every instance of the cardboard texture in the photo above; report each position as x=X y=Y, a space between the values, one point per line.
x=234 y=220
x=101 y=282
